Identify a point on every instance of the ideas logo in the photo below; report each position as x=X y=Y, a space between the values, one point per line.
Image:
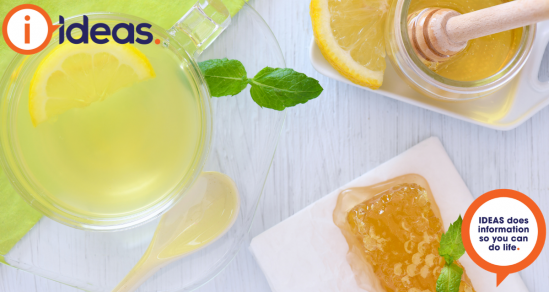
x=27 y=29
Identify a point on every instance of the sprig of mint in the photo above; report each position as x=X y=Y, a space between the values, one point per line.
x=274 y=88
x=451 y=246
x=451 y=249
x=450 y=278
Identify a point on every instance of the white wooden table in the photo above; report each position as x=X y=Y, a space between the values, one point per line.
x=348 y=131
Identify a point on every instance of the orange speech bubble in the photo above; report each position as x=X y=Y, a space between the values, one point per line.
x=503 y=271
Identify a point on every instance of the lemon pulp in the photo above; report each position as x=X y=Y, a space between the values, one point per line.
x=73 y=76
x=349 y=34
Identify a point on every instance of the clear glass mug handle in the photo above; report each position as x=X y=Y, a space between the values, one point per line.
x=201 y=25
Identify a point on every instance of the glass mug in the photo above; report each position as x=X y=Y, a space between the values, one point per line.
x=60 y=191
x=424 y=80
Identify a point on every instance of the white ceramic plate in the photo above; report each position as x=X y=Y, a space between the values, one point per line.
x=503 y=110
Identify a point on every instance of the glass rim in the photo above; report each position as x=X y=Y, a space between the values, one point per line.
x=500 y=78
x=10 y=87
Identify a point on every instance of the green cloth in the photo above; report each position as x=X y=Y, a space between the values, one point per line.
x=16 y=216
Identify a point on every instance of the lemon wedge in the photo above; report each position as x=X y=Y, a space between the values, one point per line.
x=349 y=34
x=74 y=76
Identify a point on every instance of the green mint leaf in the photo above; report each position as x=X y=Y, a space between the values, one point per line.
x=224 y=77
x=449 y=279
x=451 y=245
x=281 y=88
x=273 y=88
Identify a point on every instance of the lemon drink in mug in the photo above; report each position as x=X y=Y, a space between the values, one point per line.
x=113 y=157
x=105 y=136
x=108 y=136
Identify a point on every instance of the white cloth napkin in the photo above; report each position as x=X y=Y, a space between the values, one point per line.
x=307 y=252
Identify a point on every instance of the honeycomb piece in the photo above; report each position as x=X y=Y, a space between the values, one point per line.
x=399 y=235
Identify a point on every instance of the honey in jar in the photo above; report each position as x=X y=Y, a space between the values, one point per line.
x=483 y=57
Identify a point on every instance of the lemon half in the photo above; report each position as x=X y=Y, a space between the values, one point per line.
x=349 y=34
x=74 y=76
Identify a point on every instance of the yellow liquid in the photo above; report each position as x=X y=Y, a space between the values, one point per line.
x=207 y=211
x=121 y=155
x=484 y=56
x=192 y=225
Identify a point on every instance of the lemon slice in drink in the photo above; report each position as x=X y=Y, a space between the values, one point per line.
x=74 y=76
x=349 y=34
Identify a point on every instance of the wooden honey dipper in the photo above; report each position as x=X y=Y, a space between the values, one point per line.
x=438 y=34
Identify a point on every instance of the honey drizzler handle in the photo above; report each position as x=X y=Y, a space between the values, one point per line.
x=437 y=34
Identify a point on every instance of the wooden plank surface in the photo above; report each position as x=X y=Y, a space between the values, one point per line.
x=348 y=131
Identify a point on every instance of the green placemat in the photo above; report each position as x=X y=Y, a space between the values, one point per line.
x=16 y=216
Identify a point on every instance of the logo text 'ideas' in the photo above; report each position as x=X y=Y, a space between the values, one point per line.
x=99 y=32
x=27 y=29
